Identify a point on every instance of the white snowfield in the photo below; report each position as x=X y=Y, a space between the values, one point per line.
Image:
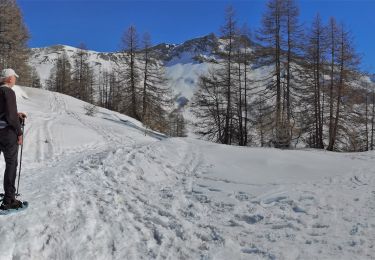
x=99 y=188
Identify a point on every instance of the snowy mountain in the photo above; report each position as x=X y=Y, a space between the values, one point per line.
x=186 y=62
x=102 y=187
x=183 y=61
x=189 y=51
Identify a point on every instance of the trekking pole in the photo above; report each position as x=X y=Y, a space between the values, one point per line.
x=19 y=172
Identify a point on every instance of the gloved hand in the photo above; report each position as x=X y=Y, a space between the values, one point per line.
x=22 y=117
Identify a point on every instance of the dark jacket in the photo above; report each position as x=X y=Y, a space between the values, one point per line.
x=8 y=110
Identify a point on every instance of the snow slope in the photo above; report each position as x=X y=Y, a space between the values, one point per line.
x=99 y=188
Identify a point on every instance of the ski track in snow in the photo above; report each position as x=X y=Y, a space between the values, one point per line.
x=123 y=198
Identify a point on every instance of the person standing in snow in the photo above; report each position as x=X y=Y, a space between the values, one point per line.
x=10 y=136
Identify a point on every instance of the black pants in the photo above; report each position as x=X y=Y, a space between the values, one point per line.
x=9 y=147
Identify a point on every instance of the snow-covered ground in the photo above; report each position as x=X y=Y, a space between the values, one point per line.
x=99 y=188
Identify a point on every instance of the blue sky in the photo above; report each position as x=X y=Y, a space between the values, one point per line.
x=100 y=23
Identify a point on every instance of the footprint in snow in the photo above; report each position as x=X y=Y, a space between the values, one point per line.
x=214 y=189
x=242 y=196
x=253 y=219
x=297 y=209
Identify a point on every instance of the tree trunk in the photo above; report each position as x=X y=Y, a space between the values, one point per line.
x=373 y=120
x=144 y=105
x=278 y=78
x=366 y=123
x=341 y=83
x=246 y=108
x=332 y=82
x=240 y=126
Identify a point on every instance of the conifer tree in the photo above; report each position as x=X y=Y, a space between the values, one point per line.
x=14 y=36
x=316 y=50
x=82 y=75
x=348 y=61
x=294 y=35
x=217 y=100
x=333 y=48
x=229 y=33
x=156 y=96
x=129 y=74
x=60 y=79
x=35 y=79
x=373 y=119
x=271 y=35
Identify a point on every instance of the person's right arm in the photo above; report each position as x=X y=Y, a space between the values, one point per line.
x=11 y=114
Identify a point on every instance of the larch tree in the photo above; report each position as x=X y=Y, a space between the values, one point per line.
x=248 y=58
x=316 y=50
x=83 y=75
x=107 y=88
x=229 y=32
x=348 y=61
x=14 y=36
x=129 y=74
x=271 y=54
x=366 y=121
x=60 y=79
x=208 y=106
x=156 y=95
x=293 y=32
x=372 y=119
x=333 y=49
x=35 y=79
x=216 y=101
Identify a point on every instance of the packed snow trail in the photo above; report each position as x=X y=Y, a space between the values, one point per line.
x=99 y=188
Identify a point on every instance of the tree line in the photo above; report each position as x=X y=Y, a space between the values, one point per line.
x=287 y=84
x=284 y=85
x=137 y=86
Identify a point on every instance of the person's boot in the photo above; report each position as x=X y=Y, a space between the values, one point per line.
x=13 y=204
